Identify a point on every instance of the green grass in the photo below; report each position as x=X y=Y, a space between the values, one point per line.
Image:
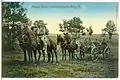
x=12 y=65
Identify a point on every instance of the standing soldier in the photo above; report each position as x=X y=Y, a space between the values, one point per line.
x=103 y=45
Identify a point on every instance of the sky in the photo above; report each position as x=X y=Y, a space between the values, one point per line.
x=92 y=14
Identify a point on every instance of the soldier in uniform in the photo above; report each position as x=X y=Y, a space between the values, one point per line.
x=89 y=41
x=96 y=43
x=104 y=44
x=67 y=38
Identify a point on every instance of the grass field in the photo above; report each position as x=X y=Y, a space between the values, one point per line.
x=12 y=65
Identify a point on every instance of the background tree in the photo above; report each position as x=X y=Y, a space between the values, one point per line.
x=89 y=30
x=12 y=13
x=72 y=25
x=110 y=28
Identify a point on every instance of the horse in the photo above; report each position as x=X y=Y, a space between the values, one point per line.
x=29 y=44
x=50 y=47
x=24 y=43
x=71 y=47
x=61 y=41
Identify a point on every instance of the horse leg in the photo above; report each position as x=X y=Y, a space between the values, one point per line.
x=35 y=55
x=69 y=55
x=81 y=54
x=29 y=55
x=56 y=55
x=49 y=56
x=65 y=54
x=39 y=55
x=43 y=51
x=25 y=55
x=62 y=54
x=52 y=55
x=73 y=55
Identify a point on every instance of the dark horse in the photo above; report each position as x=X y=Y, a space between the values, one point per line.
x=24 y=43
x=28 y=43
x=71 y=47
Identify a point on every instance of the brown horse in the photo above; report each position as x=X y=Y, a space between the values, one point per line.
x=50 y=47
x=24 y=43
x=71 y=47
x=28 y=43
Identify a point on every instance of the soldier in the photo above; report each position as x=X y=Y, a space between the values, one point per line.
x=96 y=42
x=67 y=38
x=85 y=42
x=74 y=41
x=104 y=44
x=89 y=41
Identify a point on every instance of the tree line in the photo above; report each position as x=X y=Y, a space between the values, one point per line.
x=13 y=13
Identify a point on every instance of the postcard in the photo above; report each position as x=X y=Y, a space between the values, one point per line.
x=60 y=39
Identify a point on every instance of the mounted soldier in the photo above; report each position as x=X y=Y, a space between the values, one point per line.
x=67 y=37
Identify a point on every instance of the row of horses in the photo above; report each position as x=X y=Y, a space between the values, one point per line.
x=32 y=44
x=94 y=49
